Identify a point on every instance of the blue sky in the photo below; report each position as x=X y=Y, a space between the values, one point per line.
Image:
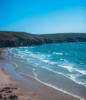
x=43 y=16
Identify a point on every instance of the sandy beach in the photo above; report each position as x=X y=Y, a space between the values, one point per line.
x=14 y=86
x=8 y=91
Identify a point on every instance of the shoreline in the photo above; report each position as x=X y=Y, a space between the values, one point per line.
x=8 y=88
x=44 y=89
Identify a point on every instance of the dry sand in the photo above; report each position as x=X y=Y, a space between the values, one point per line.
x=31 y=89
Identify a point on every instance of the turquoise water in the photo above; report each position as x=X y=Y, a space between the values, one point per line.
x=47 y=62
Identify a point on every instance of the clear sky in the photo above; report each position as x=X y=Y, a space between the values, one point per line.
x=43 y=16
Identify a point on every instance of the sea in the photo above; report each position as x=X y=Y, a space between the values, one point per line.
x=61 y=66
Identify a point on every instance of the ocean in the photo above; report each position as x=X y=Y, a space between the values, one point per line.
x=61 y=66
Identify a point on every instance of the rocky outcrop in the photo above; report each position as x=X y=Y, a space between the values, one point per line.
x=16 y=39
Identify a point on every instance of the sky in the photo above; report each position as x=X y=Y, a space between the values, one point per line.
x=43 y=16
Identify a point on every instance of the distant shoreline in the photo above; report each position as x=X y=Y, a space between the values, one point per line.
x=20 y=39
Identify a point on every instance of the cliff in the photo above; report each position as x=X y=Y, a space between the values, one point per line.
x=15 y=39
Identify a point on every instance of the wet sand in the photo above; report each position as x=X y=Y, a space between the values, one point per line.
x=8 y=90
x=17 y=86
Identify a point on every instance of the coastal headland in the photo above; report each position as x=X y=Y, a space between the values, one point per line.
x=16 y=39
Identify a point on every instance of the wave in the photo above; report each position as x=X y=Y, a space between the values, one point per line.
x=72 y=77
x=73 y=69
x=50 y=85
x=48 y=55
x=69 y=76
x=81 y=63
x=58 y=53
x=52 y=63
x=70 y=69
x=46 y=61
x=20 y=52
x=64 y=60
x=49 y=62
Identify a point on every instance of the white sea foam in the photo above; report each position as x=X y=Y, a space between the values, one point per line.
x=14 y=63
x=58 y=53
x=70 y=68
x=55 y=87
x=54 y=71
x=67 y=67
x=52 y=63
x=38 y=56
x=21 y=47
x=81 y=71
x=21 y=52
x=41 y=58
x=48 y=56
x=46 y=61
x=64 y=60
x=72 y=77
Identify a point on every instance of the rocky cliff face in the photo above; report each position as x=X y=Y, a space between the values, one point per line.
x=15 y=39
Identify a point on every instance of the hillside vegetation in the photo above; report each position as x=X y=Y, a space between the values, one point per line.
x=15 y=39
